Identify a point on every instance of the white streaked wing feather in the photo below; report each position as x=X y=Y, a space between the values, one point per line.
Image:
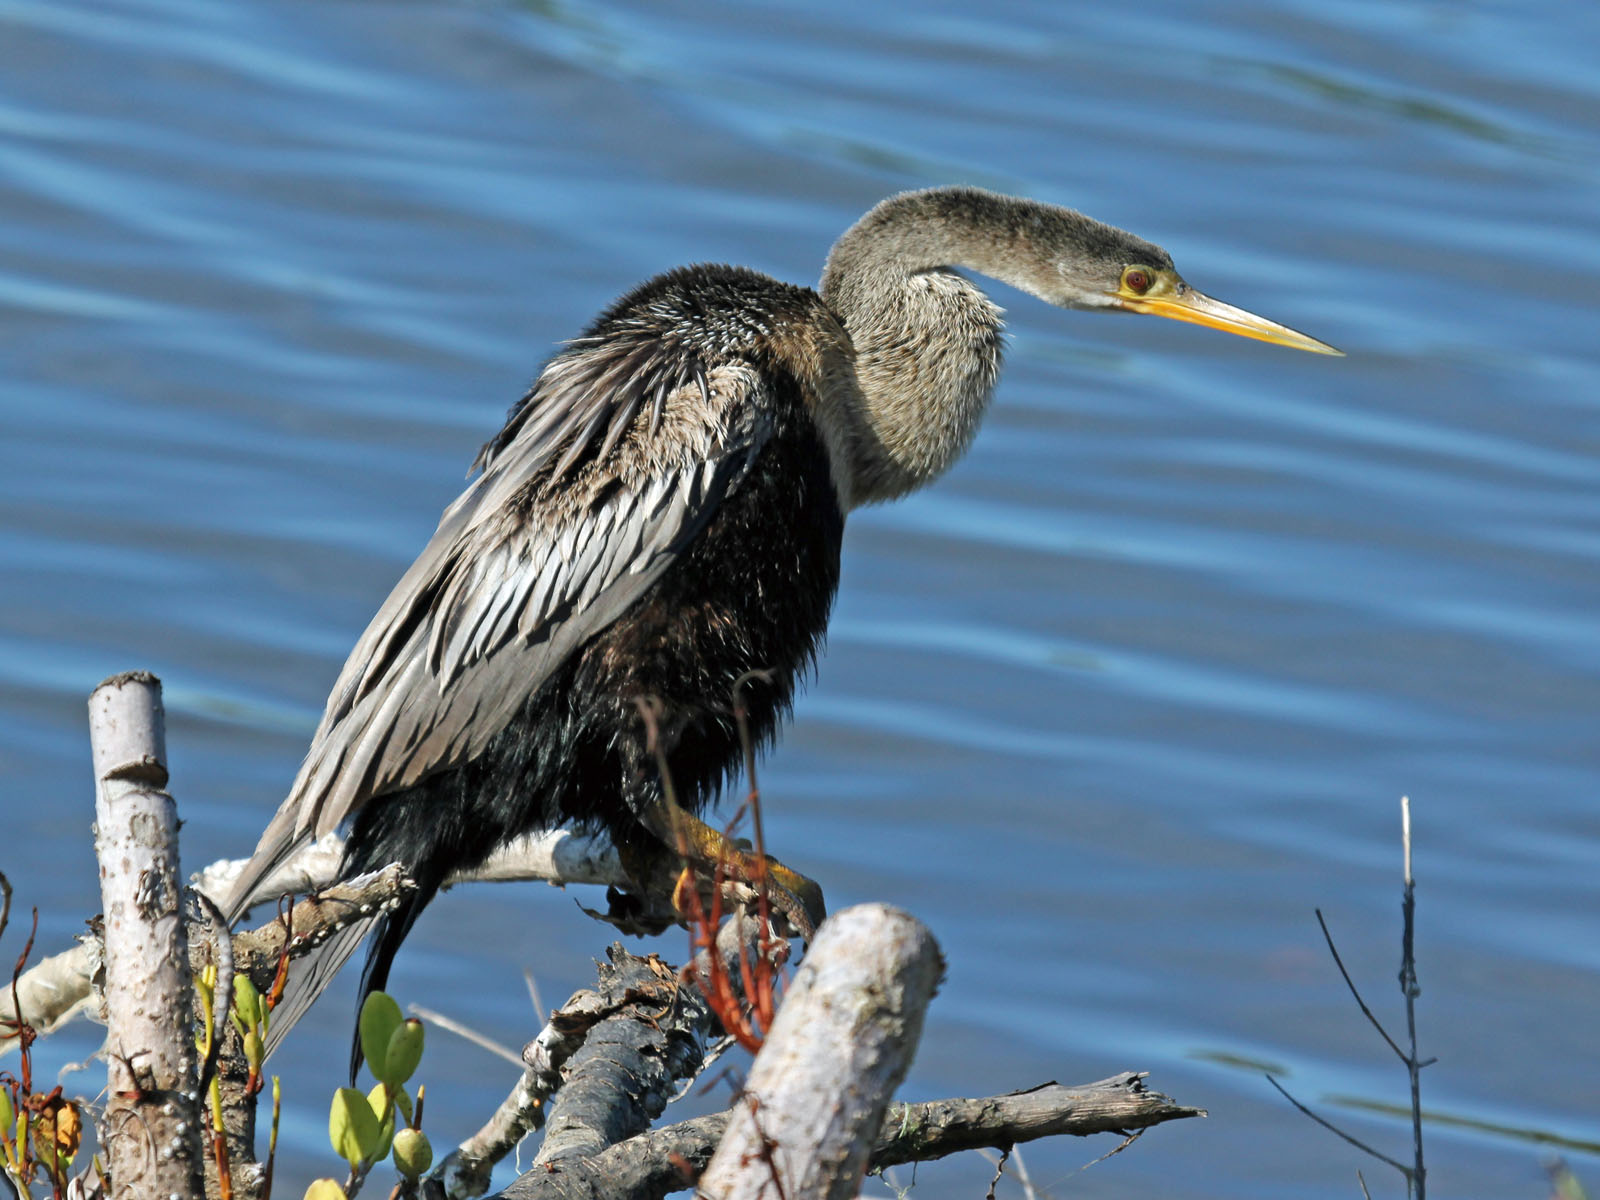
x=485 y=615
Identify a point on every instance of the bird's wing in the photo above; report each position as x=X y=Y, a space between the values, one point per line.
x=562 y=532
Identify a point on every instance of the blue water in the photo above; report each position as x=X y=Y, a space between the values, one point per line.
x=1112 y=707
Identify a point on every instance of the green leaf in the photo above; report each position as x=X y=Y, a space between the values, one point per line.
x=380 y=1017
x=403 y=1053
x=325 y=1189
x=246 y=1000
x=353 y=1127
x=384 y=1109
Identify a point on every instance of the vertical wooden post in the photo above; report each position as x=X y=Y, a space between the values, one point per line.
x=153 y=1115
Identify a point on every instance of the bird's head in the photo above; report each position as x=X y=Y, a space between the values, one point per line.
x=1055 y=253
x=1100 y=267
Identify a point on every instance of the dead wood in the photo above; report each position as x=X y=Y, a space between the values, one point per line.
x=655 y=1164
x=152 y=1123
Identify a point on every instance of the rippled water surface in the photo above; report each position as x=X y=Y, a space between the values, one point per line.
x=1112 y=707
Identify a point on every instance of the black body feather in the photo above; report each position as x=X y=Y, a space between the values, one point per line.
x=752 y=592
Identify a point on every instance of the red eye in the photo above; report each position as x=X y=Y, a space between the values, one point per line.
x=1136 y=281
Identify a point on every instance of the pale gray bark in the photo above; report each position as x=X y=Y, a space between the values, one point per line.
x=645 y=1032
x=153 y=1115
x=678 y=1016
x=554 y=856
x=653 y=1164
x=838 y=1048
x=59 y=989
x=56 y=990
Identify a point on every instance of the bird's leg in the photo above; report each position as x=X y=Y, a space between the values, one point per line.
x=693 y=845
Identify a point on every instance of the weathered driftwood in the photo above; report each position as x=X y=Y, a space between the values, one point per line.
x=152 y=1130
x=839 y=1046
x=465 y=1171
x=57 y=989
x=317 y=918
x=554 y=856
x=687 y=1018
x=650 y=1032
x=655 y=1164
x=615 y=1054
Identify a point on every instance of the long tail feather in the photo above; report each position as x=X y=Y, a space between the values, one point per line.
x=392 y=928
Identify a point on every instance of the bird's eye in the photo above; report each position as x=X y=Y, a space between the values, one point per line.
x=1136 y=280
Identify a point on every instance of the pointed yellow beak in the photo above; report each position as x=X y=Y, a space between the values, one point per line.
x=1183 y=303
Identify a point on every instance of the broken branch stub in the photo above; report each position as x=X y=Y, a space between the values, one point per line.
x=842 y=1042
x=152 y=1121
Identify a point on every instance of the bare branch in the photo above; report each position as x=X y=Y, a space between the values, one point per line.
x=450 y=1025
x=1410 y=988
x=56 y=990
x=1350 y=983
x=1331 y=1127
x=652 y=1165
x=651 y=1033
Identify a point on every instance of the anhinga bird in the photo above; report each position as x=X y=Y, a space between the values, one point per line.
x=661 y=515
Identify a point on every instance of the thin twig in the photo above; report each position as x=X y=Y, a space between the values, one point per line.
x=221 y=1003
x=999 y=1170
x=1029 y=1192
x=1411 y=990
x=471 y=1035
x=1350 y=983
x=1405 y=835
x=1356 y=1142
x=1127 y=1141
x=741 y=717
x=533 y=996
x=1416 y=1174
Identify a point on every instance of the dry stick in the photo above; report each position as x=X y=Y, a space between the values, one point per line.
x=556 y=856
x=999 y=1170
x=653 y=1164
x=1331 y=1127
x=312 y=921
x=222 y=997
x=15 y=1028
x=838 y=1048
x=1411 y=990
x=1354 y=991
x=617 y=1050
x=231 y=1116
x=1416 y=1174
x=653 y=1034
x=450 y=1025
x=219 y=1167
x=152 y=1122
x=465 y=1172
x=57 y=990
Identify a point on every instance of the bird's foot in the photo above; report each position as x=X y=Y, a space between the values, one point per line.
x=704 y=856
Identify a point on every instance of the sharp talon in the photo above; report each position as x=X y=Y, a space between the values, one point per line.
x=681 y=890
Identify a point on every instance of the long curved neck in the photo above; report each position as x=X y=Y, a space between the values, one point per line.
x=927 y=342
